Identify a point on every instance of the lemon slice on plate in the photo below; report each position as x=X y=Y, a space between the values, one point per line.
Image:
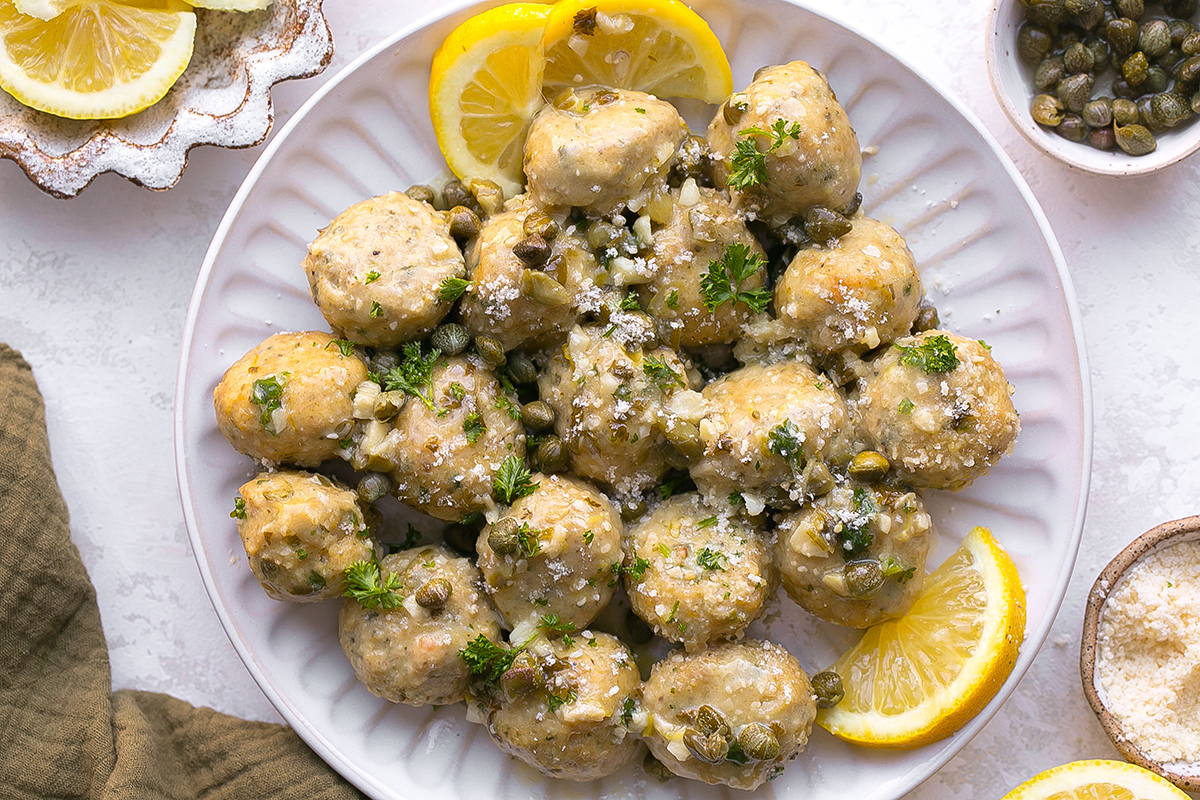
x=657 y=46
x=917 y=679
x=485 y=87
x=1096 y=780
x=98 y=59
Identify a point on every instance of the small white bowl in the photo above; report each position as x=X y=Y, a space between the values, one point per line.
x=1012 y=81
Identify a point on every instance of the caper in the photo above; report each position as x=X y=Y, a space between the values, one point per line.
x=1191 y=45
x=1154 y=39
x=434 y=593
x=1181 y=9
x=503 y=537
x=1098 y=113
x=758 y=742
x=551 y=455
x=823 y=224
x=388 y=405
x=927 y=318
x=384 y=361
x=1136 y=68
x=540 y=224
x=1075 y=90
x=461 y=538
x=1101 y=54
x=1133 y=9
x=544 y=290
x=1122 y=34
x=1047 y=110
x=827 y=686
x=693 y=158
x=819 y=480
x=604 y=97
x=1079 y=58
x=1066 y=39
x=1157 y=80
x=537 y=416
x=685 y=437
x=708 y=721
x=422 y=194
x=869 y=466
x=1102 y=138
x=709 y=749
x=863 y=578
x=1170 y=109
x=534 y=251
x=488 y=195
x=490 y=350
x=450 y=338
x=853 y=206
x=268 y=568
x=1180 y=30
x=1072 y=128
x=1122 y=89
x=1135 y=139
x=1196 y=103
x=1147 y=116
x=455 y=194
x=1050 y=13
x=633 y=508
x=521 y=368
x=1087 y=14
x=1125 y=112
x=1188 y=70
x=736 y=106
x=1033 y=43
x=1049 y=73
x=524 y=676
x=464 y=223
x=373 y=486
x=655 y=768
x=602 y=234
x=1170 y=59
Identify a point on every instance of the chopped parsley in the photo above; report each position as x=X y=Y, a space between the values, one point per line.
x=301 y=554
x=671 y=617
x=555 y=702
x=486 y=659
x=473 y=427
x=673 y=299
x=372 y=276
x=267 y=394
x=749 y=164
x=529 y=539
x=630 y=303
x=513 y=480
x=316 y=580
x=627 y=709
x=588 y=536
x=723 y=281
x=453 y=288
x=892 y=567
x=707 y=522
x=906 y=406
x=412 y=537
x=855 y=535
x=638 y=569
x=376 y=310
x=457 y=391
x=786 y=440
x=934 y=355
x=344 y=345
x=712 y=559
x=365 y=583
x=413 y=375
x=736 y=754
x=659 y=371
x=239 y=508
x=552 y=624
x=640 y=110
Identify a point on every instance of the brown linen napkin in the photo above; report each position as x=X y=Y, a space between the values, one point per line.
x=63 y=732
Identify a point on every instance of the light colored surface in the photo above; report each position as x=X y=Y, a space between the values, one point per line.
x=985 y=262
x=94 y=292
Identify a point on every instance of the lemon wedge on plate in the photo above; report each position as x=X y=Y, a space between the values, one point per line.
x=657 y=46
x=1096 y=780
x=96 y=59
x=485 y=87
x=917 y=679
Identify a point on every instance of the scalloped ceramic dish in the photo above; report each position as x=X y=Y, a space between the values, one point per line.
x=222 y=99
x=990 y=264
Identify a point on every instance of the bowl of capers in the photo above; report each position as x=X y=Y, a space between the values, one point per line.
x=1110 y=87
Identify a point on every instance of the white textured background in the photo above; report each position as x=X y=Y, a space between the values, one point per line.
x=94 y=291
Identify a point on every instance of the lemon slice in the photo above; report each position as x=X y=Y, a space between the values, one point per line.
x=97 y=59
x=485 y=88
x=1096 y=780
x=919 y=678
x=657 y=46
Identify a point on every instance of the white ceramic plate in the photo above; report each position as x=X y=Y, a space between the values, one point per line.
x=989 y=261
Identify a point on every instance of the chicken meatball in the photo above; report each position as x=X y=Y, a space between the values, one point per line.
x=404 y=641
x=288 y=401
x=562 y=704
x=733 y=714
x=610 y=398
x=375 y=270
x=812 y=156
x=555 y=551
x=766 y=431
x=601 y=149
x=696 y=575
x=855 y=556
x=301 y=531
x=855 y=292
x=703 y=228
x=525 y=289
x=938 y=406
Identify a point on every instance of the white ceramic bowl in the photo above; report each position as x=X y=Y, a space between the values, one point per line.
x=989 y=262
x=1012 y=82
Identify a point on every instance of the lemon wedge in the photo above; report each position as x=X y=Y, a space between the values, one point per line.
x=917 y=679
x=97 y=59
x=1096 y=780
x=485 y=87
x=657 y=46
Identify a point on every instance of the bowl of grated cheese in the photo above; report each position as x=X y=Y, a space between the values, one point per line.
x=1139 y=650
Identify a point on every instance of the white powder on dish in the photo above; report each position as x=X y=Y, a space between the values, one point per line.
x=1148 y=653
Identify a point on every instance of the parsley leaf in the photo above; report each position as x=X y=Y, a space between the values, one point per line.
x=376 y=310
x=239 y=508
x=749 y=164
x=712 y=559
x=552 y=624
x=723 y=281
x=627 y=709
x=673 y=299
x=736 y=754
x=707 y=522
x=453 y=288
x=365 y=584
x=267 y=394
x=855 y=535
x=786 y=440
x=473 y=427
x=414 y=375
x=372 y=276
x=906 y=406
x=530 y=540
x=555 y=701
x=345 y=345
x=638 y=569
x=486 y=659
x=894 y=567
x=513 y=480
x=659 y=371
x=412 y=537
x=934 y=355
x=630 y=303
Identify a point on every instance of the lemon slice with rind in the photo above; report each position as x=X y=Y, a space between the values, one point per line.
x=485 y=87
x=657 y=46
x=917 y=679
x=98 y=59
x=1096 y=780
